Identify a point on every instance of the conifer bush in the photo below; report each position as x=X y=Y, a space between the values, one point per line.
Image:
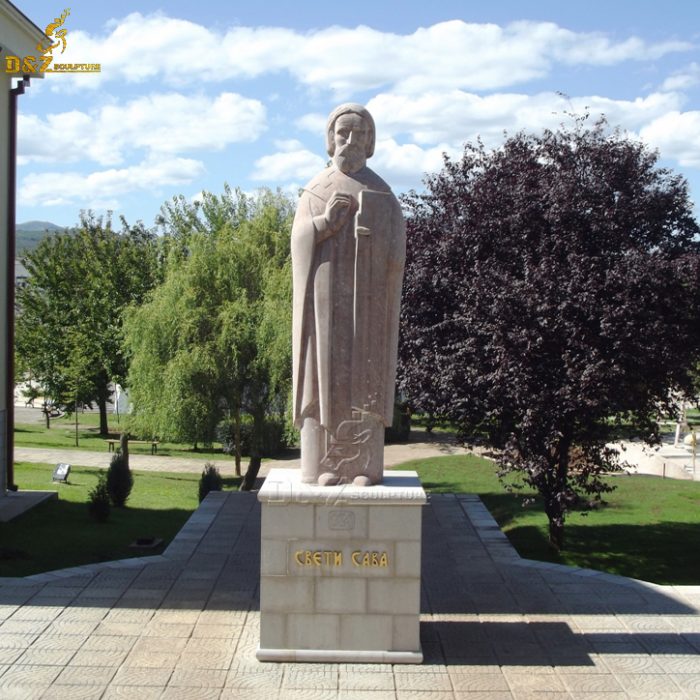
x=209 y=481
x=120 y=480
x=98 y=505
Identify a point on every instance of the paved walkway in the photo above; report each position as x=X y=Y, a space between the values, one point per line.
x=393 y=455
x=664 y=461
x=185 y=624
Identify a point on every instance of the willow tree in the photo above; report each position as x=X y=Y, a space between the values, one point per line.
x=213 y=340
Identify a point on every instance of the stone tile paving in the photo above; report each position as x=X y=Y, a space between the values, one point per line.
x=185 y=624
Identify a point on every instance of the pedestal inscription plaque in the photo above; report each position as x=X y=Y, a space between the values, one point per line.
x=340 y=570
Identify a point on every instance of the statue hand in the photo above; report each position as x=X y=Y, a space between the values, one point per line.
x=339 y=209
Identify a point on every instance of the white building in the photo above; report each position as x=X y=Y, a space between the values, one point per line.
x=19 y=37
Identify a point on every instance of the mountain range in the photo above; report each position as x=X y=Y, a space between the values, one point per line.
x=29 y=233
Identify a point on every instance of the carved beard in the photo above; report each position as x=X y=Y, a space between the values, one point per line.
x=350 y=159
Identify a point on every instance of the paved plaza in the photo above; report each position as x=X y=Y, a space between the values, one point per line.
x=185 y=624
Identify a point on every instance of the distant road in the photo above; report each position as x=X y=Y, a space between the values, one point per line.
x=642 y=459
x=393 y=455
x=25 y=414
x=154 y=463
x=29 y=414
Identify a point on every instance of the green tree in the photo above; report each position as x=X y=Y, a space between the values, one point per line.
x=552 y=284
x=72 y=305
x=76 y=371
x=213 y=341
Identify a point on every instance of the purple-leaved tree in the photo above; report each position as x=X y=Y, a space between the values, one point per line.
x=552 y=289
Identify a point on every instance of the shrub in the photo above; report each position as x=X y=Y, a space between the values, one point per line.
x=119 y=480
x=209 y=481
x=98 y=505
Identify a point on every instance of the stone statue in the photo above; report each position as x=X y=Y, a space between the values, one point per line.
x=348 y=252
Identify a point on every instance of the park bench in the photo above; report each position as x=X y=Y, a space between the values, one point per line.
x=153 y=443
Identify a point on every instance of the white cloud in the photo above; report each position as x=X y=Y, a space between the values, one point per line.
x=291 y=162
x=415 y=131
x=403 y=166
x=288 y=144
x=597 y=50
x=61 y=137
x=682 y=80
x=159 y=123
x=446 y=55
x=676 y=135
x=313 y=122
x=454 y=117
x=100 y=189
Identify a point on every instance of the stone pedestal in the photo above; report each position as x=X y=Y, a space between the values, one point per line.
x=340 y=570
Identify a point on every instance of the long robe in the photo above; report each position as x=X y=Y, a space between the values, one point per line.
x=347 y=292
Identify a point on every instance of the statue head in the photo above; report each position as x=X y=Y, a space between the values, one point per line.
x=350 y=137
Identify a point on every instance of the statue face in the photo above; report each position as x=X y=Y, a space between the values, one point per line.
x=351 y=137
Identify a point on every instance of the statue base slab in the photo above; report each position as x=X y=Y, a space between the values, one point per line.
x=340 y=570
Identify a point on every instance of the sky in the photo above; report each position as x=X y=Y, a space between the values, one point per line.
x=195 y=94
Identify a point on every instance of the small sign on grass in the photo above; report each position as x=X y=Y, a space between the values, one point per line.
x=61 y=472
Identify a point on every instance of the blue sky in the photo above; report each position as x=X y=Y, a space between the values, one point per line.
x=195 y=94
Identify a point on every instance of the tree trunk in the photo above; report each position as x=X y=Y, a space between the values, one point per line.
x=102 y=395
x=555 y=502
x=556 y=535
x=76 y=421
x=255 y=451
x=237 y=439
x=251 y=474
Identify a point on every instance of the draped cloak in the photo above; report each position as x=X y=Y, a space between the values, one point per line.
x=347 y=293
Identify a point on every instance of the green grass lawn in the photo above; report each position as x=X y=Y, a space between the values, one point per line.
x=693 y=417
x=60 y=533
x=62 y=434
x=649 y=529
